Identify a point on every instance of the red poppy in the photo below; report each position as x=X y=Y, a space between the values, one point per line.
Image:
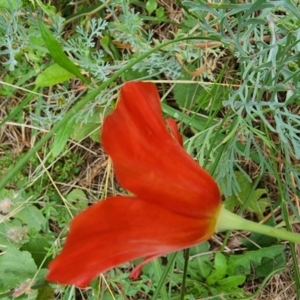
x=174 y=203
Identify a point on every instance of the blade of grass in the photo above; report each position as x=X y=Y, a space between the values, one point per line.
x=164 y=276
x=58 y=54
x=19 y=108
x=92 y=10
x=186 y=263
x=158 y=274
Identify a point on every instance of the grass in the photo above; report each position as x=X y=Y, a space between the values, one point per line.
x=227 y=72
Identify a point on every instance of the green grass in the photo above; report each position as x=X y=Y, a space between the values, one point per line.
x=227 y=72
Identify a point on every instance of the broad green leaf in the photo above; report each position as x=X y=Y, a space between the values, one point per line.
x=58 y=54
x=269 y=265
x=219 y=269
x=160 y=13
x=231 y=283
x=5 y=193
x=16 y=266
x=76 y=195
x=200 y=266
x=53 y=75
x=32 y=217
x=5 y=231
x=187 y=95
x=90 y=128
x=151 y=6
x=37 y=247
x=78 y=199
x=242 y=264
x=61 y=138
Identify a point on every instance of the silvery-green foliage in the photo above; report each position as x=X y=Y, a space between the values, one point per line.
x=10 y=32
x=91 y=31
x=267 y=54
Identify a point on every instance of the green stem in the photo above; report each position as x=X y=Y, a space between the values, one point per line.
x=230 y=221
x=186 y=263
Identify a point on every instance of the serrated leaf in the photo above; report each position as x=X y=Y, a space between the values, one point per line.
x=16 y=266
x=269 y=265
x=53 y=75
x=61 y=138
x=58 y=54
x=241 y=264
x=32 y=217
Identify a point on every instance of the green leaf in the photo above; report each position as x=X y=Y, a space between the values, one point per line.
x=189 y=94
x=105 y=43
x=58 y=54
x=78 y=199
x=37 y=247
x=231 y=283
x=61 y=138
x=160 y=13
x=32 y=217
x=16 y=266
x=200 y=266
x=90 y=128
x=151 y=6
x=269 y=265
x=5 y=228
x=255 y=204
x=49 y=10
x=258 y=240
x=220 y=269
x=53 y=75
x=242 y=264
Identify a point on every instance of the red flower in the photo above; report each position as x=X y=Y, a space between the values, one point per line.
x=175 y=203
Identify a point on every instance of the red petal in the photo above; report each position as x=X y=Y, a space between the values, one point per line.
x=149 y=162
x=121 y=229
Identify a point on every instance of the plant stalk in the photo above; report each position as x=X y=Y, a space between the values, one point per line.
x=230 y=221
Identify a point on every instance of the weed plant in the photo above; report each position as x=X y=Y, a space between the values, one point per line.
x=227 y=71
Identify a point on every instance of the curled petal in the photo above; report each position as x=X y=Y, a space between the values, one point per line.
x=121 y=229
x=149 y=162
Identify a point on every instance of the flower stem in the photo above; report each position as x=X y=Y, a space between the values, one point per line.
x=230 y=221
